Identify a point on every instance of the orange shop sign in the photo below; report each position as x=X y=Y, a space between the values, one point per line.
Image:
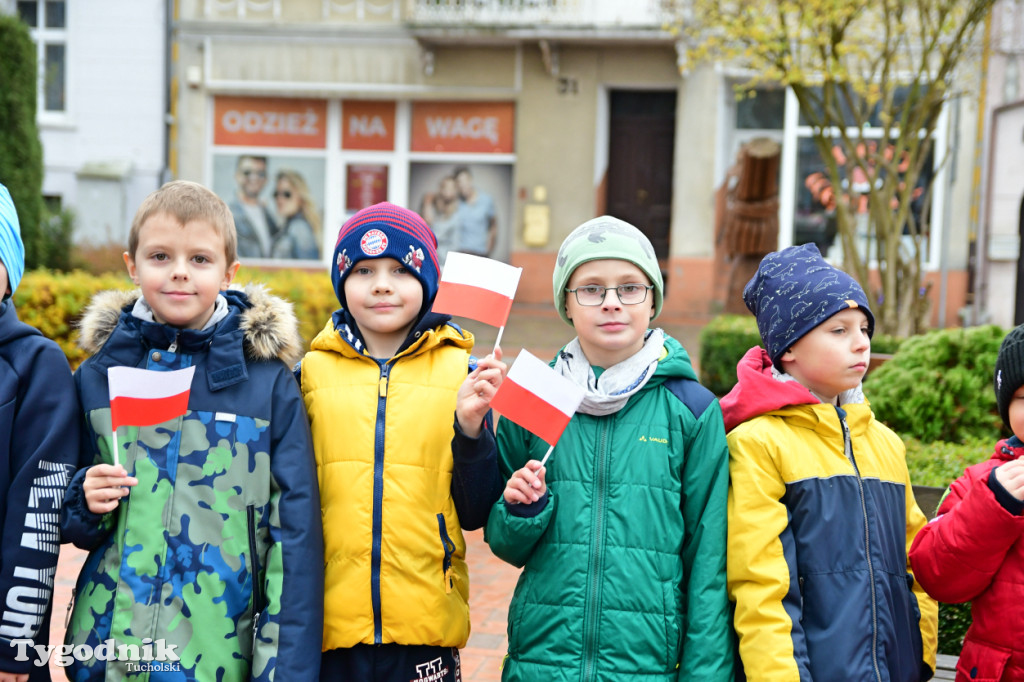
x=476 y=127
x=367 y=125
x=270 y=122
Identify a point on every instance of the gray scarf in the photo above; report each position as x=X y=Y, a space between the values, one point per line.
x=617 y=382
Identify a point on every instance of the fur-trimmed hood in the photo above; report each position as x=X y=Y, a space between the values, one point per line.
x=268 y=323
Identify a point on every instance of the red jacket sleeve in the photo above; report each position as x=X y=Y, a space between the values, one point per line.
x=956 y=555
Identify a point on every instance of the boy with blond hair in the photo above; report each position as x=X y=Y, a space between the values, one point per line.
x=205 y=541
x=404 y=452
x=821 y=509
x=621 y=536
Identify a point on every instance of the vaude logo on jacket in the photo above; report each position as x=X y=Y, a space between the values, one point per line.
x=147 y=655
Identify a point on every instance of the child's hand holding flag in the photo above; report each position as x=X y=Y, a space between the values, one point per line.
x=543 y=402
x=477 y=391
x=138 y=397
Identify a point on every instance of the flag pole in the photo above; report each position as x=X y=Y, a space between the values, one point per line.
x=497 y=341
x=548 y=454
x=117 y=461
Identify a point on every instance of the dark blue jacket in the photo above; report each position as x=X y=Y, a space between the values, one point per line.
x=39 y=420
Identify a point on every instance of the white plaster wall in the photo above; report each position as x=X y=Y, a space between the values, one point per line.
x=1007 y=188
x=116 y=101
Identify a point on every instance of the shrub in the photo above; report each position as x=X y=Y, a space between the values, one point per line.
x=723 y=341
x=938 y=386
x=21 y=153
x=53 y=303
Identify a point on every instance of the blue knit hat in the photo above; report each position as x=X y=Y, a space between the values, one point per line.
x=12 y=251
x=795 y=290
x=387 y=231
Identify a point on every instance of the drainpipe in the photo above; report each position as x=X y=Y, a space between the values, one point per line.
x=170 y=93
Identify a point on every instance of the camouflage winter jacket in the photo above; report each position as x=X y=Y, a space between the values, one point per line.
x=225 y=493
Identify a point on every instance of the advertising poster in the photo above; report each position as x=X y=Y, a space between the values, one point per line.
x=277 y=203
x=469 y=206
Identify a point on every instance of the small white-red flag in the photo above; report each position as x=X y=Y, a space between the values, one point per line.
x=143 y=397
x=537 y=398
x=479 y=288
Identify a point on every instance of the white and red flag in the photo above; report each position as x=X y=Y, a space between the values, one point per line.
x=537 y=398
x=144 y=397
x=479 y=288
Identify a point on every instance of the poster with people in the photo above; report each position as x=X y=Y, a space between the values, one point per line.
x=277 y=203
x=467 y=205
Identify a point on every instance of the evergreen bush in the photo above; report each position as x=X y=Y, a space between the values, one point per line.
x=21 y=153
x=723 y=341
x=938 y=386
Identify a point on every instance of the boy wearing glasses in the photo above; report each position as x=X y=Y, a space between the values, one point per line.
x=622 y=535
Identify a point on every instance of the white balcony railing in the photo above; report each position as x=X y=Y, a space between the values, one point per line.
x=645 y=14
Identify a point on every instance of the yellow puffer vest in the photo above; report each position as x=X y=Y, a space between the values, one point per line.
x=394 y=555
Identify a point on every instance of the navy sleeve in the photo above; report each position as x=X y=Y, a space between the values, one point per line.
x=476 y=480
x=294 y=582
x=42 y=445
x=1003 y=497
x=78 y=525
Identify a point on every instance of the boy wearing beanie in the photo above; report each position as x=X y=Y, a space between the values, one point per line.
x=821 y=509
x=622 y=535
x=973 y=550
x=38 y=451
x=404 y=453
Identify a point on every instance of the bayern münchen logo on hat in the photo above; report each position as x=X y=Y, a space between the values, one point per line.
x=374 y=243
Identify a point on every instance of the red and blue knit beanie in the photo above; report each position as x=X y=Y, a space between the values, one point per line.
x=387 y=231
x=795 y=290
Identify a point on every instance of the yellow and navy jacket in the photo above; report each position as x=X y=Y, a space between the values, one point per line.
x=821 y=516
x=398 y=482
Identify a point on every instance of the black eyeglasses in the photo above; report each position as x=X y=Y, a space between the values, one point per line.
x=594 y=294
x=258 y=173
x=282 y=193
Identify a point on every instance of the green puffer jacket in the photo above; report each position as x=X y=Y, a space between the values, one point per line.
x=624 y=567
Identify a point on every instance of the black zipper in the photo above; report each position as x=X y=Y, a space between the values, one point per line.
x=254 y=568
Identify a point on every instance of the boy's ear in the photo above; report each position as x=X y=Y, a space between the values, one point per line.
x=129 y=262
x=229 y=275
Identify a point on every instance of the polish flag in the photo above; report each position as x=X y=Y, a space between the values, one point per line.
x=479 y=288
x=537 y=398
x=143 y=397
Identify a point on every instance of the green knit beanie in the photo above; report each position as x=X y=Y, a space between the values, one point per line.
x=605 y=238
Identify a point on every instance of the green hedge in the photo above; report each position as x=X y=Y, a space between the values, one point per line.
x=938 y=386
x=21 y=153
x=53 y=303
x=723 y=341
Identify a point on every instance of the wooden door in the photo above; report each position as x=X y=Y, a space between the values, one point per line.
x=642 y=139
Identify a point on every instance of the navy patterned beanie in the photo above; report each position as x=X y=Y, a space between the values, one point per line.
x=1009 y=371
x=387 y=231
x=795 y=290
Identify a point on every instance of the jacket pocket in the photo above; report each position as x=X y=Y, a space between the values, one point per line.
x=981 y=661
x=254 y=571
x=673 y=632
x=449 y=551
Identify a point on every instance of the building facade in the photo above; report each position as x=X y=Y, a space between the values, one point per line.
x=539 y=114
x=103 y=84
